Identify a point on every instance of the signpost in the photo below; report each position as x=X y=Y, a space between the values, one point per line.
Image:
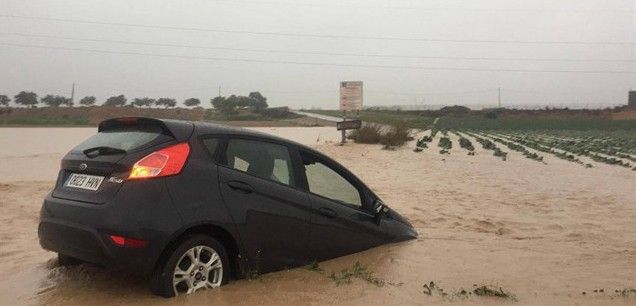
x=349 y=125
x=350 y=100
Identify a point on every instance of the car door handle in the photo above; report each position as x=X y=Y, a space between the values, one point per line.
x=327 y=212
x=240 y=186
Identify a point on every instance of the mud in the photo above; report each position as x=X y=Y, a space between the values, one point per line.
x=544 y=232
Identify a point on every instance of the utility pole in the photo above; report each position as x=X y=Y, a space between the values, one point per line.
x=499 y=97
x=219 y=90
x=73 y=94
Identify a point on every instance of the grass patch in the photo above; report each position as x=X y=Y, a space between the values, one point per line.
x=412 y=120
x=45 y=121
x=478 y=290
x=268 y=114
x=314 y=266
x=253 y=275
x=485 y=290
x=360 y=271
x=626 y=293
x=398 y=135
x=369 y=133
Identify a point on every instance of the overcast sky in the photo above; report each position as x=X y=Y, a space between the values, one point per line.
x=408 y=31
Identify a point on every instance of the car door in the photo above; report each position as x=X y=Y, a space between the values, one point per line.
x=258 y=184
x=341 y=222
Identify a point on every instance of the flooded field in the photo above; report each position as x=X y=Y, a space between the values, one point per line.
x=544 y=233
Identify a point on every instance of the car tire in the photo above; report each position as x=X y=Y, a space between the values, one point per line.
x=65 y=260
x=209 y=269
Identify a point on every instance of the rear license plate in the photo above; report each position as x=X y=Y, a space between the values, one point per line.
x=84 y=181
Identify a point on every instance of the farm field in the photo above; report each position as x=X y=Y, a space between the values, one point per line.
x=587 y=143
x=543 y=230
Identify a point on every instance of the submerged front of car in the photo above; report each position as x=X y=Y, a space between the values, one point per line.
x=109 y=206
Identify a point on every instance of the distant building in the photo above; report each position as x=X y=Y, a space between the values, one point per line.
x=632 y=99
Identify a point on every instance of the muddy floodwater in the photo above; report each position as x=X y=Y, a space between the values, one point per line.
x=542 y=232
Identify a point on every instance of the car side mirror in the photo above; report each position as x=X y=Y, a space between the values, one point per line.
x=379 y=209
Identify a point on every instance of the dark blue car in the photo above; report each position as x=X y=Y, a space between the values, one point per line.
x=194 y=205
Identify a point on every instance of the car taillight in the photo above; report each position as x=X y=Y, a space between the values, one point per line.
x=128 y=242
x=165 y=162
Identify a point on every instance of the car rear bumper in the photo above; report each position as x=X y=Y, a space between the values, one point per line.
x=82 y=230
x=95 y=247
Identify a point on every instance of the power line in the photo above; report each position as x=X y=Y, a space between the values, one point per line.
x=318 y=53
x=248 y=60
x=326 y=36
x=434 y=93
x=420 y=8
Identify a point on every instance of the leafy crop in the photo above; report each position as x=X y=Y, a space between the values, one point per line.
x=446 y=144
x=465 y=143
x=489 y=145
x=519 y=148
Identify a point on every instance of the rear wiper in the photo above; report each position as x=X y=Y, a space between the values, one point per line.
x=92 y=152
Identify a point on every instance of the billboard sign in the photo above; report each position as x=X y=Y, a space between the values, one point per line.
x=351 y=95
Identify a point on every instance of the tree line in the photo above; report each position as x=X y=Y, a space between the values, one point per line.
x=255 y=100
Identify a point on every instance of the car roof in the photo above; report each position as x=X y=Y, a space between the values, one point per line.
x=204 y=128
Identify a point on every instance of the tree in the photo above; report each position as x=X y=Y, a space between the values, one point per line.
x=229 y=105
x=259 y=102
x=166 y=102
x=192 y=102
x=255 y=101
x=116 y=101
x=217 y=102
x=4 y=100
x=88 y=101
x=143 y=102
x=26 y=98
x=55 y=101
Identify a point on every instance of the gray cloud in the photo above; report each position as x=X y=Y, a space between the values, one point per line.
x=186 y=73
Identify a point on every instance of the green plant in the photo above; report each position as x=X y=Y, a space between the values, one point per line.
x=369 y=133
x=479 y=290
x=446 y=144
x=485 y=290
x=253 y=275
x=314 y=266
x=359 y=271
x=431 y=288
x=397 y=136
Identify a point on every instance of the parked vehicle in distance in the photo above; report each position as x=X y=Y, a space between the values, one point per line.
x=194 y=204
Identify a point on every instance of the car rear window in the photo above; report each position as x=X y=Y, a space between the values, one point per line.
x=126 y=138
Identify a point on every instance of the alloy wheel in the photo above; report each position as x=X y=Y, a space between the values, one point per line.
x=199 y=267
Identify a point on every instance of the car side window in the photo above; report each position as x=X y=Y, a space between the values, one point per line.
x=327 y=182
x=261 y=159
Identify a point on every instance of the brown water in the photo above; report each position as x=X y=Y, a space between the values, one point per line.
x=546 y=233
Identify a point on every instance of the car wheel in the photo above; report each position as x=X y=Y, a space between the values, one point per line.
x=65 y=260
x=199 y=262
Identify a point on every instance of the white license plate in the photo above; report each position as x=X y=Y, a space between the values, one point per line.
x=84 y=181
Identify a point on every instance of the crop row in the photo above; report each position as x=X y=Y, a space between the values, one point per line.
x=517 y=147
x=489 y=145
x=591 y=146
x=568 y=149
x=465 y=143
